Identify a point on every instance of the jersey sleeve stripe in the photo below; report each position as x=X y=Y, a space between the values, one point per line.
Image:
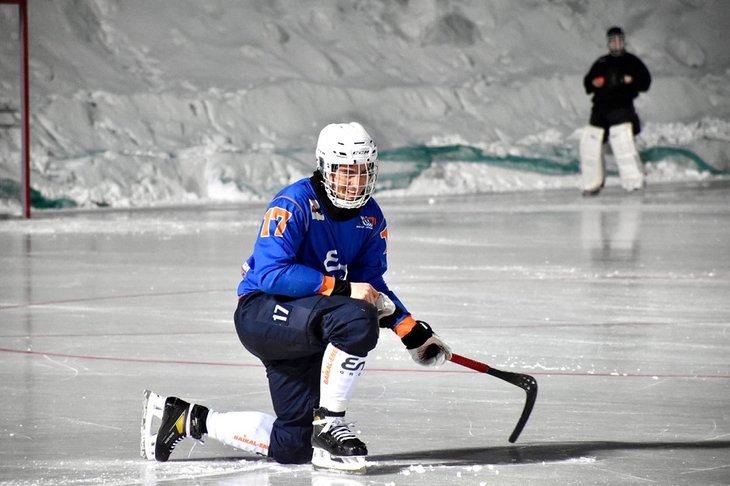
x=328 y=285
x=404 y=326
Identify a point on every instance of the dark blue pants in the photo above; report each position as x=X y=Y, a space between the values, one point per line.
x=289 y=336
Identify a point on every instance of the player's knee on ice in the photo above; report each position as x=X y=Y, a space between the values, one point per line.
x=291 y=444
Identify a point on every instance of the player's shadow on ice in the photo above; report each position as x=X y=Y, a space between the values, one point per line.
x=524 y=454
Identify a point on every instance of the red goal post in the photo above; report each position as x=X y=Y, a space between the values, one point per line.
x=24 y=102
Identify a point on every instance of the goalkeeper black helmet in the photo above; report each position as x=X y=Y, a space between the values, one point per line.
x=616 y=40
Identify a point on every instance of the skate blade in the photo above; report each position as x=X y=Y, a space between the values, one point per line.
x=324 y=461
x=153 y=406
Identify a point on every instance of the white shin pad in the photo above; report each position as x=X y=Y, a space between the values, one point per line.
x=340 y=373
x=630 y=170
x=247 y=431
x=592 y=169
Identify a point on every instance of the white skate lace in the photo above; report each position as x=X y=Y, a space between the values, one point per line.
x=336 y=427
x=175 y=442
x=189 y=425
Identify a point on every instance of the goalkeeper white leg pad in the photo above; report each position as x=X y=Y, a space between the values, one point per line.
x=592 y=170
x=630 y=170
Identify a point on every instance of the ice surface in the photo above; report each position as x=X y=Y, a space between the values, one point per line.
x=618 y=305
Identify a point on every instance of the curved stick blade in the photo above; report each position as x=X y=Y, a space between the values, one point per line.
x=526 y=382
x=529 y=384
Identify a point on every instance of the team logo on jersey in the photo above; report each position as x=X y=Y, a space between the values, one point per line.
x=367 y=222
x=317 y=214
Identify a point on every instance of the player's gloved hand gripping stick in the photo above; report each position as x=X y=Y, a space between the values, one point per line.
x=424 y=346
x=428 y=350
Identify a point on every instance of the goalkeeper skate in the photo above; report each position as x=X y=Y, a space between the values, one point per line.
x=335 y=446
x=176 y=420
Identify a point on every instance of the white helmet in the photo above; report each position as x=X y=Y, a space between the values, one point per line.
x=347 y=158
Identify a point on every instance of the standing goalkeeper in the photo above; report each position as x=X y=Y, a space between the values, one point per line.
x=615 y=80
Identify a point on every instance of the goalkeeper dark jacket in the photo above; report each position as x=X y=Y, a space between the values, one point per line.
x=615 y=93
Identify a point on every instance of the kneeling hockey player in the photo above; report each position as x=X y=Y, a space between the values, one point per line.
x=615 y=81
x=311 y=302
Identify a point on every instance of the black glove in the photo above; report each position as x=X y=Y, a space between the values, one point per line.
x=425 y=347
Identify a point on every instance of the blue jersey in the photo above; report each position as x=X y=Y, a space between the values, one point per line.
x=298 y=246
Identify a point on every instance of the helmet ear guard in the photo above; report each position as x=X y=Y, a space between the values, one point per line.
x=347 y=159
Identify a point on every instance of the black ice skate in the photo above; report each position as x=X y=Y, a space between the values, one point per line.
x=178 y=420
x=335 y=446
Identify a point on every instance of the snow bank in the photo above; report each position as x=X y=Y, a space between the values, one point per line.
x=142 y=103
